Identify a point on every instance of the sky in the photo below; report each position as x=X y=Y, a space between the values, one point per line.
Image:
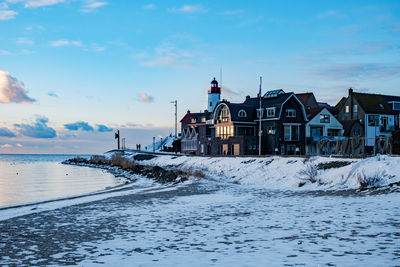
x=73 y=72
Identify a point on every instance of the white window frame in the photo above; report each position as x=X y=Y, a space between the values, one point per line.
x=260 y=111
x=271 y=112
x=355 y=109
x=290 y=110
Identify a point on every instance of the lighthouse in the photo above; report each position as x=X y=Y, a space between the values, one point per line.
x=214 y=95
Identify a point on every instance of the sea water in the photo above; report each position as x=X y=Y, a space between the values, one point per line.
x=35 y=178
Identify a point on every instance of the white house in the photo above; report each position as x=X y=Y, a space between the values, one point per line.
x=322 y=125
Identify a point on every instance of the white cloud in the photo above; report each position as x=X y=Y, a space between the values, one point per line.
x=4 y=52
x=41 y=3
x=19 y=145
x=190 y=9
x=144 y=97
x=6 y=146
x=25 y=41
x=12 y=90
x=7 y=14
x=168 y=55
x=330 y=14
x=92 y=5
x=149 y=6
x=65 y=42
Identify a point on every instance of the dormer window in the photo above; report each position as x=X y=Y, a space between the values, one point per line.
x=290 y=113
x=242 y=113
x=260 y=113
x=270 y=112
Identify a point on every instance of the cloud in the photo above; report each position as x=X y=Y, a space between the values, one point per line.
x=42 y=3
x=8 y=14
x=190 y=9
x=39 y=129
x=330 y=14
x=19 y=145
x=65 y=42
x=102 y=128
x=12 y=90
x=52 y=94
x=168 y=55
x=4 y=52
x=25 y=41
x=6 y=146
x=150 y=6
x=358 y=71
x=4 y=132
x=144 y=97
x=79 y=125
x=92 y=5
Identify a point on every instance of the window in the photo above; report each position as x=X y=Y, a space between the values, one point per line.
x=373 y=120
x=291 y=113
x=224 y=132
x=316 y=131
x=291 y=132
x=355 y=108
x=334 y=132
x=193 y=120
x=270 y=112
x=203 y=119
x=324 y=118
x=347 y=109
x=224 y=114
x=270 y=130
x=396 y=105
x=260 y=111
x=381 y=106
x=242 y=113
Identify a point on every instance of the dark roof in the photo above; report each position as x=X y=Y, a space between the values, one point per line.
x=341 y=103
x=189 y=116
x=348 y=125
x=390 y=98
x=373 y=103
x=324 y=105
x=312 y=112
x=235 y=108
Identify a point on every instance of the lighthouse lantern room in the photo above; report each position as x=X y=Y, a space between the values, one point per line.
x=214 y=95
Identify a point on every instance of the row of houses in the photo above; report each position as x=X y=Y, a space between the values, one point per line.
x=291 y=123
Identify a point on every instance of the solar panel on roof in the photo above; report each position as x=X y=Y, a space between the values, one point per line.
x=273 y=93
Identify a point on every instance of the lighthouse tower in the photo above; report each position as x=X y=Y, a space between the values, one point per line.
x=214 y=95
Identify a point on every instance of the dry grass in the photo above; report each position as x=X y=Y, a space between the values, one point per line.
x=124 y=163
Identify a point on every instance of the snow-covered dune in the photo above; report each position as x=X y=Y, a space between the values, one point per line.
x=290 y=172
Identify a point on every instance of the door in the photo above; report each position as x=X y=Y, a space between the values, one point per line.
x=236 y=149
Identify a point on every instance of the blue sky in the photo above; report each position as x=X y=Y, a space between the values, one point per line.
x=71 y=72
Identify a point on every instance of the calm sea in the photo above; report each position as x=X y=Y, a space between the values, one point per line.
x=34 y=178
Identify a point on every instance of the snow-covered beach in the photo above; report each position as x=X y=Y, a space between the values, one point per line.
x=243 y=212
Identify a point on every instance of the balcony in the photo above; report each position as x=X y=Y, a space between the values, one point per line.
x=386 y=129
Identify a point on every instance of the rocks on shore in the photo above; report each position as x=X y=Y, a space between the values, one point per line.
x=132 y=167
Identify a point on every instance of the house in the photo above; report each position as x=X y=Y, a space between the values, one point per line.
x=373 y=112
x=197 y=125
x=235 y=126
x=308 y=99
x=322 y=131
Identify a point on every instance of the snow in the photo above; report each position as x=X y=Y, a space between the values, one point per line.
x=166 y=142
x=277 y=172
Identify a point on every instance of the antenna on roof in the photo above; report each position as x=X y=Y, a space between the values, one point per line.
x=220 y=77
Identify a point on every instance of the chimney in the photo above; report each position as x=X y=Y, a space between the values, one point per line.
x=247 y=97
x=188 y=112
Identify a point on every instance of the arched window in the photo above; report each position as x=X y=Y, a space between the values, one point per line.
x=242 y=113
x=224 y=115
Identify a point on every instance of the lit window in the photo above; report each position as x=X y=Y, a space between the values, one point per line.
x=347 y=109
x=193 y=120
x=271 y=130
x=270 y=112
x=203 y=119
x=324 y=118
x=291 y=113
